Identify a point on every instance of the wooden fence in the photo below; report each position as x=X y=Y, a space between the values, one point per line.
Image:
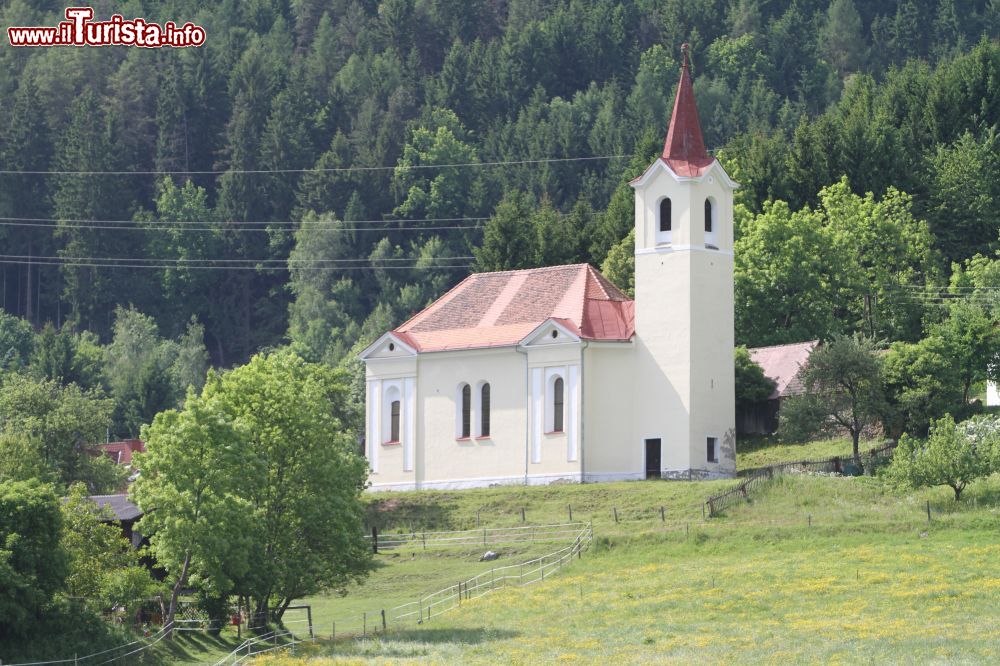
x=755 y=478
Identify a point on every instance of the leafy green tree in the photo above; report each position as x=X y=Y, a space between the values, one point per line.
x=790 y=277
x=970 y=334
x=752 y=386
x=32 y=562
x=953 y=455
x=922 y=385
x=104 y=568
x=260 y=455
x=300 y=474
x=19 y=459
x=67 y=357
x=196 y=522
x=17 y=341
x=843 y=390
x=619 y=267
x=65 y=421
x=446 y=192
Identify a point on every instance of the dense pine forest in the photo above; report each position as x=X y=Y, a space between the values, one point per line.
x=318 y=171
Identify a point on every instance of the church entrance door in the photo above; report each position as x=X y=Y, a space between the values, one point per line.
x=652 y=458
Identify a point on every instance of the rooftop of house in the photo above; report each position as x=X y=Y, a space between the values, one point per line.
x=500 y=309
x=118 y=505
x=782 y=364
x=121 y=452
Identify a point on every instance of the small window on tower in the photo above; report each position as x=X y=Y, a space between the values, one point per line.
x=665 y=214
x=708 y=216
x=712 y=453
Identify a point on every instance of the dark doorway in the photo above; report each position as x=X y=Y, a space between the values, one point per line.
x=652 y=458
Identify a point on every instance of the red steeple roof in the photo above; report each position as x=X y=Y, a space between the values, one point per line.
x=684 y=149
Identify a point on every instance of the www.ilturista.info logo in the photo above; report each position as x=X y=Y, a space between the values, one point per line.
x=79 y=30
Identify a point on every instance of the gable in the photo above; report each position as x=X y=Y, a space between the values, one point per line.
x=551 y=332
x=390 y=345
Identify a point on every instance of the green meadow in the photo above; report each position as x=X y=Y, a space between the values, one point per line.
x=814 y=569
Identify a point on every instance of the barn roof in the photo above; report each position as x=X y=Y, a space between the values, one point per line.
x=782 y=364
x=119 y=506
x=499 y=309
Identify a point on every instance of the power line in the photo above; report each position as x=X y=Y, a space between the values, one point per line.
x=238 y=222
x=182 y=261
x=237 y=268
x=549 y=160
x=181 y=227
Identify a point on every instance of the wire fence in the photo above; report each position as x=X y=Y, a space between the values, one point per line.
x=424 y=608
x=269 y=642
x=756 y=478
x=127 y=653
x=485 y=536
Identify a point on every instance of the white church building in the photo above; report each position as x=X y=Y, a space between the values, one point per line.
x=553 y=375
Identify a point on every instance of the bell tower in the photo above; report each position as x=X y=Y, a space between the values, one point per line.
x=685 y=384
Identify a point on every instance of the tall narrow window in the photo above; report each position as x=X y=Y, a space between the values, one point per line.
x=708 y=215
x=557 y=405
x=394 y=421
x=712 y=454
x=484 y=424
x=665 y=214
x=466 y=411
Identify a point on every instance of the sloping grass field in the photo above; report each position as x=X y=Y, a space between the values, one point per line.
x=814 y=569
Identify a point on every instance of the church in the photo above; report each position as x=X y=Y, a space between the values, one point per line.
x=553 y=375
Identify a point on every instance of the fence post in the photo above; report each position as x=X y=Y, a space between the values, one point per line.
x=615 y=510
x=569 y=507
x=810 y=520
x=333 y=631
x=477 y=517
x=522 y=514
x=364 y=623
x=383 y=621
x=928 y=511
x=423 y=537
x=663 y=517
x=374 y=539
x=484 y=536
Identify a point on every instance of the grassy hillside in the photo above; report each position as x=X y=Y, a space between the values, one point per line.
x=814 y=569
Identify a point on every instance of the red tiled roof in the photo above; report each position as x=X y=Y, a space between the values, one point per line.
x=684 y=150
x=500 y=309
x=121 y=452
x=782 y=363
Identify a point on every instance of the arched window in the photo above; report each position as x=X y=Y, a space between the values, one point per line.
x=466 y=411
x=394 y=421
x=484 y=411
x=557 y=405
x=708 y=216
x=665 y=222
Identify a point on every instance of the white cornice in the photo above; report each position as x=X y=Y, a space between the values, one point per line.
x=714 y=167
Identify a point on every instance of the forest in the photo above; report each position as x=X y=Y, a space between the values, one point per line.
x=319 y=171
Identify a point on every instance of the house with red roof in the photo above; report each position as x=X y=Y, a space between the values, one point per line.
x=783 y=365
x=552 y=374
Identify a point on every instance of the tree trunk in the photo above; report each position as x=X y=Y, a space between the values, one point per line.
x=168 y=621
x=855 y=437
x=958 y=488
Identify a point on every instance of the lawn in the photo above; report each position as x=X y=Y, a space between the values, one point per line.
x=816 y=568
x=760 y=451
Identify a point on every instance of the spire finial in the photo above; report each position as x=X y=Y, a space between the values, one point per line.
x=685 y=47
